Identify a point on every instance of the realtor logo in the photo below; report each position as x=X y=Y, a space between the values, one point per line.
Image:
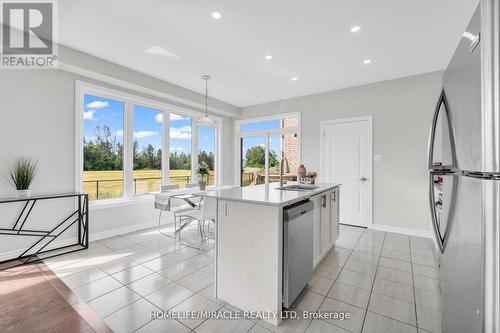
x=28 y=32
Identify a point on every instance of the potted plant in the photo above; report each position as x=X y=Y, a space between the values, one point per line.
x=203 y=172
x=22 y=173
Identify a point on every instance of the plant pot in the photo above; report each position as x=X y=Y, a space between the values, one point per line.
x=202 y=182
x=23 y=193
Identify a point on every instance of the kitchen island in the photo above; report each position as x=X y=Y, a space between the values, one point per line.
x=249 y=241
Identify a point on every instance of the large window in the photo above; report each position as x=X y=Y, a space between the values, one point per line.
x=148 y=129
x=124 y=140
x=102 y=147
x=180 y=149
x=263 y=144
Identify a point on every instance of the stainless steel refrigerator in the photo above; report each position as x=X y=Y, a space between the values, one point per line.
x=461 y=182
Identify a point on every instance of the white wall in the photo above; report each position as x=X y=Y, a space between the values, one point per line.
x=402 y=113
x=37 y=119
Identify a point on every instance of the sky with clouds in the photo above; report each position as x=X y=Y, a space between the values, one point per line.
x=100 y=111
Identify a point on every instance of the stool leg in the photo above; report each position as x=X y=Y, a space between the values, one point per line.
x=200 y=227
x=175 y=226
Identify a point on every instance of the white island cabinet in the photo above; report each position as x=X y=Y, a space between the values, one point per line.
x=249 y=241
x=325 y=223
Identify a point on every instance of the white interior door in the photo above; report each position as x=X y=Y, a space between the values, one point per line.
x=347 y=160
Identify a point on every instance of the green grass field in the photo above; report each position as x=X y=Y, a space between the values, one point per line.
x=111 y=182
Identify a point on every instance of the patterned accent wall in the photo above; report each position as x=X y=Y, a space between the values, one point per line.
x=290 y=144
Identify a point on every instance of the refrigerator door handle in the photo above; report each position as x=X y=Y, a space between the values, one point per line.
x=432 y=203
x=432 y=136
x=446 y=221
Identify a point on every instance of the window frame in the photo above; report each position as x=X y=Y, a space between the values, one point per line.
x=266 y=133
x=82 y=88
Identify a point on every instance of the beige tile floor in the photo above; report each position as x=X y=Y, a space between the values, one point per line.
x=388 y=283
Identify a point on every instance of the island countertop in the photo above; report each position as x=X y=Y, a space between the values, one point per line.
x=268 y=194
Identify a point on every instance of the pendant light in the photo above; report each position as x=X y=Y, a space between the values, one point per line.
x=206 y=121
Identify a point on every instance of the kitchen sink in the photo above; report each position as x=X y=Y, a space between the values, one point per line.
x=297 y=187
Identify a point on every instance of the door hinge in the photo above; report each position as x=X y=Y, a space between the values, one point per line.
x=475 y=42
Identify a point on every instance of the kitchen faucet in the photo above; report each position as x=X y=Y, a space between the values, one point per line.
x=286 y=167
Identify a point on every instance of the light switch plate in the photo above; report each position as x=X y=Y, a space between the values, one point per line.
x=377 y=157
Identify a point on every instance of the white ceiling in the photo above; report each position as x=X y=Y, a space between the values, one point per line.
x=308 y=39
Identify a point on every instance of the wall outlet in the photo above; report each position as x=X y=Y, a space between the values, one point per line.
x=377 y=157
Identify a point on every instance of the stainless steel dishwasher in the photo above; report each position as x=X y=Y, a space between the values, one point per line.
x=297 y=249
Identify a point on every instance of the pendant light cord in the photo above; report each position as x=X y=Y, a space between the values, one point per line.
x=206 y=121
x=206 y=77
x=206 y=96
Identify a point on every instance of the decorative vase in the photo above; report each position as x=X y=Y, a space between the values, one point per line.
x=23 y=193
x=302 y=171
x=202 y=182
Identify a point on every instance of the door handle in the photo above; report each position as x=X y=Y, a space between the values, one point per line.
x=432 y=136
x=432 y=203
x=363 y=179
x=323 y=201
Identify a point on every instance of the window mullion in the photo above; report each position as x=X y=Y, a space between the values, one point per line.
x=194 y=150
x=128 y=151
x=266 y=159
x=217 y=165
x=165 y=148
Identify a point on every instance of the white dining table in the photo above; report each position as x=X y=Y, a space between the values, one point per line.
x=186 y=201
x=162 y=199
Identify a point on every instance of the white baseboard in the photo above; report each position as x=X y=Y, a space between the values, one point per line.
x=122 y=230
x=321 y=256
x=405 y=231
x=92 y=237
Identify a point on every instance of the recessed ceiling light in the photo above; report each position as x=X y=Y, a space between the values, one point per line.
x=294 y=78
x=355 y=28
x=367 y=61
x=157 y=50
x=216 y=15
x=268 y=57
